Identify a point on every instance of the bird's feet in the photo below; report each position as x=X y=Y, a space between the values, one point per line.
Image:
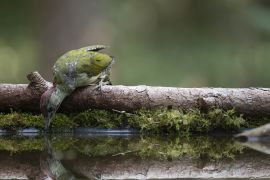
x=101 y=84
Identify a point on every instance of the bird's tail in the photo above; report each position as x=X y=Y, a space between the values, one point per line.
x=50 y=102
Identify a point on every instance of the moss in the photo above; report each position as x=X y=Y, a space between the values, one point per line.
x=63 y=143
x=255 y=122
x=162 y=120
x=17 y=120
x=212 y=149
x=62 y=121
x=161 y=148
x=154 y=121
x=15 y=145
x=99 y=118
x=101 y=146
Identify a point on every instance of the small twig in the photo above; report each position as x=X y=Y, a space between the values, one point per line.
x=123 y=112
x=123 y=153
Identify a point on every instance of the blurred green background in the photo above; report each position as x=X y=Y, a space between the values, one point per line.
x=188 y=43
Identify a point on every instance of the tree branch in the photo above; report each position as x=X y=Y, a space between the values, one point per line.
x=248 y=101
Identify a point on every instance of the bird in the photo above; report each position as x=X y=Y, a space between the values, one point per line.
x=76 y=68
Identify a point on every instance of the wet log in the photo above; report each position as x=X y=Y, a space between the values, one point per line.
x=20 y=166
x=248 y=165
x=248 y=101
x=252 y=165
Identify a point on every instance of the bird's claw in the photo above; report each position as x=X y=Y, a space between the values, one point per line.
x=104 y=80
x=98 y=87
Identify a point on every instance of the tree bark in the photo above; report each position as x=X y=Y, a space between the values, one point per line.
x=248 y=101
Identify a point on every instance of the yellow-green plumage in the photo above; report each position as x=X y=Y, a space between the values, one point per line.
x=76 y=68
x=79 y=68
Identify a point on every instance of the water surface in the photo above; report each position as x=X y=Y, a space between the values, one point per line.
x=130 y=156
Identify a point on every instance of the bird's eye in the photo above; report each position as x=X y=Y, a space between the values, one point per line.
x=98 y=60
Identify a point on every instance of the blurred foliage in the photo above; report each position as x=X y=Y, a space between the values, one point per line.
x=156 y=42
x=193 y=43
x=18 y=43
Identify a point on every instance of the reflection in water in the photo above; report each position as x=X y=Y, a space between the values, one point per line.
x=136 y=157
x=51 y=166
x=261 y=146
x=257 y=138
x=262 y=131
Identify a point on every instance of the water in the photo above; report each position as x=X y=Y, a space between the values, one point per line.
x=130 y=156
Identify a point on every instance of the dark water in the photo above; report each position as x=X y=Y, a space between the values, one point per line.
x=113 y=155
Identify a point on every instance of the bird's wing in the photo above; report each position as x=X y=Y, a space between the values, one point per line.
x=95 y=47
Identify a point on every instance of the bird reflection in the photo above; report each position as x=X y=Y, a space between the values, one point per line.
x=258 y=144
x=257 y=138
x=51 y=166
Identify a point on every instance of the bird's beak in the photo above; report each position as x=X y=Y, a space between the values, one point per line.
x=48 y=118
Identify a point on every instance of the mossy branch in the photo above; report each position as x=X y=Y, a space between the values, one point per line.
x=247 y=101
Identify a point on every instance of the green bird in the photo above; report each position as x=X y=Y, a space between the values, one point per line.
x=76 y=68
